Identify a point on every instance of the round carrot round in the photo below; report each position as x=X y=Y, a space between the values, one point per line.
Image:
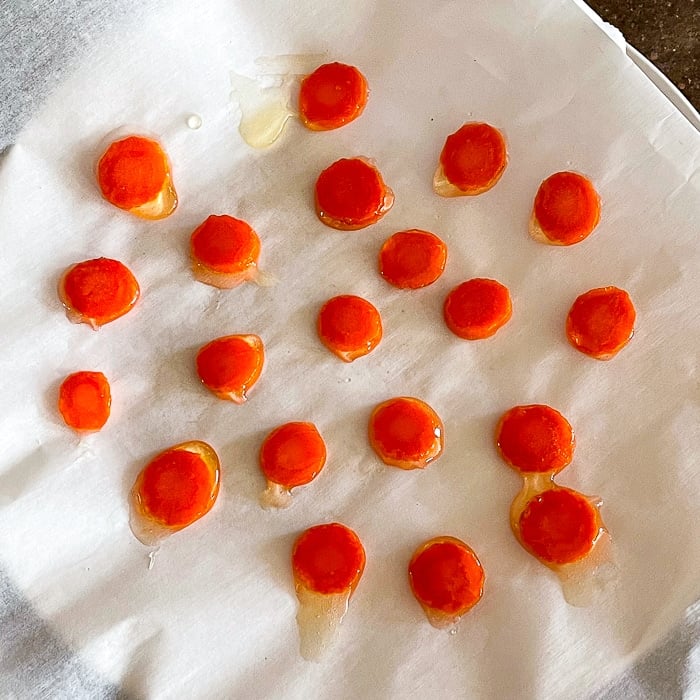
x=134 y=174
x=98 y=291
x=472 y=161
x=328 y=559
x=224 y=251
x=84 y=400
x=601 y=322
x=535 y=438
x=406 y=433
x=351 y=194
x=178 y=486
x=231 y=365
x=446 y=578
x=559 y=526
x=333 y=95
x=412 y=259
x=477 y=309
x=349 y=326
x=566 y=209
x=293 y=454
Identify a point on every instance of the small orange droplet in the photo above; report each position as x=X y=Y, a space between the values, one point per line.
x=85 y=400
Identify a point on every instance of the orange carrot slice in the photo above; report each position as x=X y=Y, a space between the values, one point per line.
x=84 y=400
x=601 y=322
x=472 y=161
x=447 y=579
x=406 y=433
x=412 y=259
x=535 y=438
x=176 y=488
x=349 y=326
x=231 y=365
x=351 y=194
x=98 y=291
x=333 y=95
x=477 y=309
x=566 y=209
x=134 y=174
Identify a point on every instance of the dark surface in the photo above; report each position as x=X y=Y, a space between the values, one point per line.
x=666 y=31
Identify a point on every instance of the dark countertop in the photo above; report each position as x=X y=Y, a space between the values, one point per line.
x=667 y=32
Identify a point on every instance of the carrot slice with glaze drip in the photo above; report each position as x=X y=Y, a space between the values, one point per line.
x=472 y=161
x=333 y=95
x=477 y=309
x=98 y=291
x=224 y=252
x=291 y=455
x=84 y=400
x=231 y=365
x=407 y=433
x=447 y=579
x=327 y=564
x=412 y=259
x=351 y=194
x=566 y=209
x=601 y=322
x=176 y=488
x=535 y=438
x=134 y=174
x=349 y=326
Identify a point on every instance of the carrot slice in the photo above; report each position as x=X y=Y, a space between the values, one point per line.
x=176 y=488
x=535 y=438
x=224 y=252
x=351 y=194
x=349 y=326
x=559 y=526
x=333 y=95
x=134 y=174
x=601 y=322
x=446 y=578
x=566 y=209
x=406 y=433
x=472 y=161
x=477 y=309
x=98 y=291
x=412 y=259
x=291 y=455
x=84 y=400
x=231 y=365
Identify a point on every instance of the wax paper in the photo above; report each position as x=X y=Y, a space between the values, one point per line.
x=215 y=614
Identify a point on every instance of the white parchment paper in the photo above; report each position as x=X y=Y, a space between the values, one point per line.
x=215 y=616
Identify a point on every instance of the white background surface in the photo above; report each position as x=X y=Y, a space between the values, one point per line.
x=215 y=616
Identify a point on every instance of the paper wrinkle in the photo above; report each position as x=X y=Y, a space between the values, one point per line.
x=567 y=98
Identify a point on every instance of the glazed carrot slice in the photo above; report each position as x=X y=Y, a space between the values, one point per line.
x=447 y=579
x=224 y=252
x=176 y=488
x=412 y=259
x=291 y=455
x=231 y=365
x=406 y=433
x=84 y=400
x=535 y=438
x=98 y=291
x=559 y=526
x=472 y=161
x=477 y=309
x=351 y=194
x=134 y=174
x=349 y=326
x=333 y=95
x=566 y=209
x=601 y=322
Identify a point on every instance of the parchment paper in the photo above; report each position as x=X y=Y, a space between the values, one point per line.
x=214 y=617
